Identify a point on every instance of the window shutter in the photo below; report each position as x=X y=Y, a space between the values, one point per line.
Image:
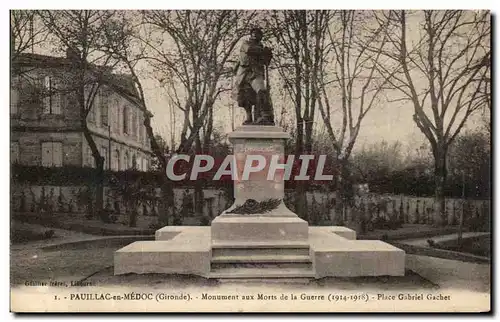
x=96 y=106
x=46 y=154
x=56 y=96
x=134 y=124
x=138 y=127
x=134 y=161
x=139 y=163
x=57 y=154
x=125 y=119
x=104 y=109
x=125 y=161
x=46 y=94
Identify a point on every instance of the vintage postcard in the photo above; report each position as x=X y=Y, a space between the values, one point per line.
x=250 y=161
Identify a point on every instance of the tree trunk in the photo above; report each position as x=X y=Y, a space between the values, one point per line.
x=132 y=214
x=99 y=184
x=166 y=205
x=301 y=201
x=198 y=185
x=98 y=181
x=345 y=195
x=440 y=174
x=301 y=188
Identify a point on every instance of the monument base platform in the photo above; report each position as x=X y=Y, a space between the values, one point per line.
x=327 y=251
x=248 y=228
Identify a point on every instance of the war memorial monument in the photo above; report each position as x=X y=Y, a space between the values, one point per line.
x=258 y=237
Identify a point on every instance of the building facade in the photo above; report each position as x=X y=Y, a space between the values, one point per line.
x=46 y=121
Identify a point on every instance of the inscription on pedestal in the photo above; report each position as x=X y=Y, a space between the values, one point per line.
x=258 y=184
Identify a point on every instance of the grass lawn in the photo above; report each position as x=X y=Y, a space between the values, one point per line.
x=479 y=246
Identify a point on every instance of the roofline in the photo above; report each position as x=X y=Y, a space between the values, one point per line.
x=36 y=60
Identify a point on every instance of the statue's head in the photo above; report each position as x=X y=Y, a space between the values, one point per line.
x=256 y=33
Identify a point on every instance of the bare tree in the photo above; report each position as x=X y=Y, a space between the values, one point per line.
x=377 y=159
x=26 y=32
x=300 y=51
x=193 y=49
x=84 y=36
x=443 y=73
x=131 y=50
x=356 y=43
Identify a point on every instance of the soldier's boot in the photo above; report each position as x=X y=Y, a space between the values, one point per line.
x=249 y=119
x=263 y=110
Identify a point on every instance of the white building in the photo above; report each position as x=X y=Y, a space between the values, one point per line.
x=47 y=130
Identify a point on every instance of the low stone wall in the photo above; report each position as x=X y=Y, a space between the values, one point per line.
x=320 y=205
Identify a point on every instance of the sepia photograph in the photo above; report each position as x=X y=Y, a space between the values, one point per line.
x=250 y=160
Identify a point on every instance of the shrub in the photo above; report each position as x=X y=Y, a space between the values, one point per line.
x=204 y=221
x=48 y=234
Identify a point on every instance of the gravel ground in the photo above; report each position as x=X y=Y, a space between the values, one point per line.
x=468 y=285
x=60 y=236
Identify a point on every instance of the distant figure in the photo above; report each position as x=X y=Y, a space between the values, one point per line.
x=251 y=86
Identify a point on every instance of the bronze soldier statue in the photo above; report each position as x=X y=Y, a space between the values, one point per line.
x=251 y=86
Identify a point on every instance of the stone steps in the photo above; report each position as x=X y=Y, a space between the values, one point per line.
x=271 y=280
x=299 y=265
x=261 y=260
x=261 y=273
x=261 y=244
x=259 y=252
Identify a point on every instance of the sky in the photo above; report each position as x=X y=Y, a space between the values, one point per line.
x=388 y=121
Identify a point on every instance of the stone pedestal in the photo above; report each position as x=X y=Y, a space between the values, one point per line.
x=255 y=241
x=264 y=141
x=242 y=222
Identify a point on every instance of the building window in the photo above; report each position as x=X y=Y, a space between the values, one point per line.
x=145 y=164
x=104 y=154
x=96 y=104
x=145 y=136
x=14 y=152
x=138 y=128
x=125 y=119
x=51 y=98
x=133 y=123
x=138 y=163
x=134 y=162
x=89 y=157
x=104 y=111
x=115 y=115
x=116 y=160
x=125 y=161
x=52 y=154
x=141 y=132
